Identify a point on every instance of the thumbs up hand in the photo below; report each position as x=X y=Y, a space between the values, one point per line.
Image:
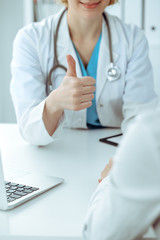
x=74 y=93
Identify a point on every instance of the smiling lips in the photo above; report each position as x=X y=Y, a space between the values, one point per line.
x=90 y=5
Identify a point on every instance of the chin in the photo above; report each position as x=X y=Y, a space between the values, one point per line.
x=91 y=9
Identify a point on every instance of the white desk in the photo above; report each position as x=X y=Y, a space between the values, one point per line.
x=78 y=157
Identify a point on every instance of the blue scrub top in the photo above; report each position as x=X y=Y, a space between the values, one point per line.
x=91 y=70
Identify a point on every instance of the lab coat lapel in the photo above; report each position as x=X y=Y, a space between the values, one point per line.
x=65 y=45
x=104 y=55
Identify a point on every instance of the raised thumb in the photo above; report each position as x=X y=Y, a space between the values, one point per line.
x=71 y=71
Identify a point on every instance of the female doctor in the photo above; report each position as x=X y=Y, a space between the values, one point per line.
x=80 y=68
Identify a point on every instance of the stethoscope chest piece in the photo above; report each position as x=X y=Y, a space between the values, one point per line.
x=113 y=73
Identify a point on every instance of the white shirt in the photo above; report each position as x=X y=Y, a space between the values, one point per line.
x=117 y=102
x=127 y=202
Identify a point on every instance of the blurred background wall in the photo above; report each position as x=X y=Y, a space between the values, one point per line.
x=15 y=14
x=11 y=19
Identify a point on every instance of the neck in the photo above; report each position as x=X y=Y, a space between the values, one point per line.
x=81 y=28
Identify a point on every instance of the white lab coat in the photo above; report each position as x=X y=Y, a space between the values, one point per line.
x=117 y=102
x=127 y=203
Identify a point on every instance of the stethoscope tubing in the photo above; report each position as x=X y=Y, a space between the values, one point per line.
x=56 y=63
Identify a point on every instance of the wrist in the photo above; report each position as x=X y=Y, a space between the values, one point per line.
x=53 y=104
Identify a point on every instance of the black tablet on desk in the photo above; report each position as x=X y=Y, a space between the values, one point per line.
x=112 y=140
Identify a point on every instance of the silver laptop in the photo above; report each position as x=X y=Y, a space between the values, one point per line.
x=14 y=193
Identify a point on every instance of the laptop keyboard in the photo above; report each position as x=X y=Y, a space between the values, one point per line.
x=15 y=191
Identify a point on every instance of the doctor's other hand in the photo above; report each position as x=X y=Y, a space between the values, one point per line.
x=74 y=93
x=106 y=170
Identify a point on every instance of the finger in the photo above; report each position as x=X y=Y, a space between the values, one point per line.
x=88 y=89
x=88 y=81
x=71 y=71
x=110 y=163
x=87 y=97
x=83 y=105
x=103 y=174
x=99 y=180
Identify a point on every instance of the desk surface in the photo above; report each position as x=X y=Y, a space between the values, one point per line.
x=78 y=157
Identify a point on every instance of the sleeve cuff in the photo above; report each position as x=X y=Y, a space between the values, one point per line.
x=100 y=188
x=33 y=129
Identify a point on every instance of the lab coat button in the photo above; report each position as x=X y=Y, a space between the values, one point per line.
x=101 y=105
x=85 y=227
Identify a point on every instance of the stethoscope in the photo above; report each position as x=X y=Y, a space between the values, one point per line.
x=113 y=72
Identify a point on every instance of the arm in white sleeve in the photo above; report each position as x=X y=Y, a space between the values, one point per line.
x=28 y=87
x=128 y=202
x=139 y=94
